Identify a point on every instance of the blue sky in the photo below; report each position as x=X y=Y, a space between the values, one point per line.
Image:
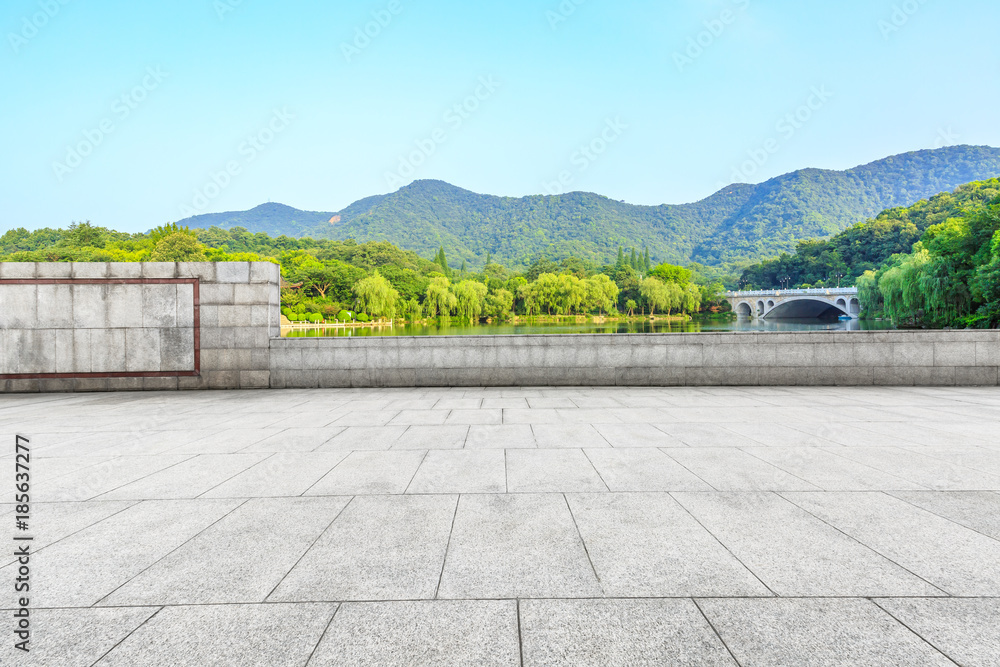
x=135 y=113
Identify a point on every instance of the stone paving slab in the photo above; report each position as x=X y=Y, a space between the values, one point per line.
x=512 y=526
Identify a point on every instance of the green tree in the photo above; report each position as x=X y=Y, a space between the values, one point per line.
x=656 y=294
x=471 y=298
x=376 y=296
x=440 y=301
x=178 y=247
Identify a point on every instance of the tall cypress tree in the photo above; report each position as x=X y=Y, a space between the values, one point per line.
x=621 y=258
x=645 y=261
x=489 y=259
x=634 y=263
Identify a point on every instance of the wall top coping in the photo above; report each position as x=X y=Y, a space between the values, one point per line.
x=224 y=272
x=706 y=338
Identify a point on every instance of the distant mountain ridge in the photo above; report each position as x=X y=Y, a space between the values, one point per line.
x=740 y=222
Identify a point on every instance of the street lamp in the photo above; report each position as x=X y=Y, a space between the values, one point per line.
x=785 y=281
x=839 y=277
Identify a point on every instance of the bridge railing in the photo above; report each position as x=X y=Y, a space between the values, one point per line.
x=833 y=291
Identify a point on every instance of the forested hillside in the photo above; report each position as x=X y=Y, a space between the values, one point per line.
x=739 y=223
x=866 y=245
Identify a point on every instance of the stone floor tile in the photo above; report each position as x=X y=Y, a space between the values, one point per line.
x=775 y=435
x=379 y=548
x=647 y=545
x=415 y=417
x=432 y=437
x=355 y=438
x=793 y=552
x=242 y=558
x=643 y=470
x=817 y=633
x=366 y=418
x=551 y=471
x=227 y=441
x=189 y=479
x=463 y=471
x=571 y=436
x=932 y=473
x=637 y=435
x=829 y=471
x=245 y=635
x=367 y=473
x=81 y=569
x=95 y=480
x=507 y=436
x=633 y=633
x=965 y=630
x=51 y=522
x=284 y=474
x=978 y=510
x=506 y=546
x=470 y=417
x=953 y=558
x=296 y=440
x=730 y=469
x=75 y=637
x=705 y=435
x=439 y=632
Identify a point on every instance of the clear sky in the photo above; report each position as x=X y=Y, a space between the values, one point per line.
x=133 y=113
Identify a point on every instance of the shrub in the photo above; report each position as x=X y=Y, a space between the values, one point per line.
x=361 y=317
x=344 y=316
x=315 y=318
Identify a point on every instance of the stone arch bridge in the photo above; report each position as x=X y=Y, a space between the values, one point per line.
x=797 y=303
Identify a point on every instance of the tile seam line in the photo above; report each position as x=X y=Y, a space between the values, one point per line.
x=816 y=487
x=130 y=505
x=280 y=603
x=888 y=613
x=891 y=494
x=201 y=495
x=583 y=542
x=837 y=451
x=123 y=639
x=599 y=475
x=168 y=554
x=138 y=479
x=716 y=631
x=724 y=546
x=780 y=494
x=308 y=549
x=323 y=634
x=447 y=548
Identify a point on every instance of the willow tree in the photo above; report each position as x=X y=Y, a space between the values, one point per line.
x=440 y=301
x=471 y=298
x=376 y=296
x=656 y=293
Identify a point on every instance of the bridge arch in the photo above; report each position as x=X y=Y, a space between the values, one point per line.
x=744 y=309
x=808 y=307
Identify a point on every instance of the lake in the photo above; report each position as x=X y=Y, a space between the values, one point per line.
x=456 y=328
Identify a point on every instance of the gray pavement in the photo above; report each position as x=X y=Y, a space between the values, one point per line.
x=541 y=526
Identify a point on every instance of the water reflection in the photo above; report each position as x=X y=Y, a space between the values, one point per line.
x=460 y=328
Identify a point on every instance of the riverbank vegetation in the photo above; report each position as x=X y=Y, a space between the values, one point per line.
x=338 y=281
x=934 y=264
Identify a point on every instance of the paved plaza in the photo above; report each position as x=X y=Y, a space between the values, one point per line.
x=504 y=527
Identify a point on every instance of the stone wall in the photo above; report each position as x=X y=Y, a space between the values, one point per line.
x=813 y=358
x=87 y=326
x=118 y=326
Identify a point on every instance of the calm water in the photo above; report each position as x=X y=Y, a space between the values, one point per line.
x=456 y=328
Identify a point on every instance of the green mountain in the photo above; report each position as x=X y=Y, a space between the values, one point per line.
x=868 y=245
x=739 y=223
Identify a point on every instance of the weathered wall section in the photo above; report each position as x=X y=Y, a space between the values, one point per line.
x=814 y=358
x=114 y=326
